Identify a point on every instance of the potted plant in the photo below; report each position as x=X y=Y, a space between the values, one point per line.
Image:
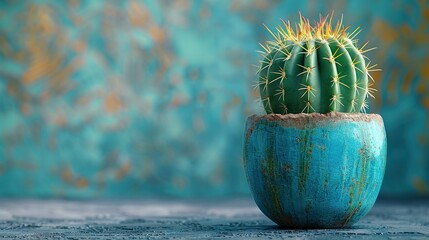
x=316 y=160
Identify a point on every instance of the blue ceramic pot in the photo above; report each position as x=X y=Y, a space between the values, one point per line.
x=315 y=170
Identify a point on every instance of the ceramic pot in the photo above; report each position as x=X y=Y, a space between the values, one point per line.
x=315 y=170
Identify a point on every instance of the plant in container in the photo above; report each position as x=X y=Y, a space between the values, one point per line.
x=316 y=160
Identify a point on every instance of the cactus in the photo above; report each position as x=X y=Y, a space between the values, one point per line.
x=314 y=69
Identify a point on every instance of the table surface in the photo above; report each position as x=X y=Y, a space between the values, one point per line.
x=163 y=219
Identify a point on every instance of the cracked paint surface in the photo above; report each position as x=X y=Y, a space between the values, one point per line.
x=149 y=98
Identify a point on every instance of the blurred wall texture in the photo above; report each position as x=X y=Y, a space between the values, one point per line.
x=149 y=98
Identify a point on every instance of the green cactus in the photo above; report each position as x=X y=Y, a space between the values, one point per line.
x=314 y=69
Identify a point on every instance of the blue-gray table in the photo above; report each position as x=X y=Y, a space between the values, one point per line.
x=165 y=219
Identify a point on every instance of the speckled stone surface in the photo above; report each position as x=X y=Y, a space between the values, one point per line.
x=237 y=219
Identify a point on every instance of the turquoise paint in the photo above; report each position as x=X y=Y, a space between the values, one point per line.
x=315 y=172
x=178 y=150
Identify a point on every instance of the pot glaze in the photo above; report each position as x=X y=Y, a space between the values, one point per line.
x=315 y=170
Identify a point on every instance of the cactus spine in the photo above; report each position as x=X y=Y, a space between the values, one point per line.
x=314 y=69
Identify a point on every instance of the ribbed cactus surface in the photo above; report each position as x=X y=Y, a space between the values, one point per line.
x=314 y=69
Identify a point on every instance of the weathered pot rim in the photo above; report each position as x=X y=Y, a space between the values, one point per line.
x=331 y=116
x=305 y=120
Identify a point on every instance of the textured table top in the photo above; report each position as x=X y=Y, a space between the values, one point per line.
x=162 y=219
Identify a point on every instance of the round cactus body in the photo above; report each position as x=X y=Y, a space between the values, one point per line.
x=314 y=69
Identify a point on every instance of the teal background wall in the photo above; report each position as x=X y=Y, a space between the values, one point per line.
x=149 y=98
